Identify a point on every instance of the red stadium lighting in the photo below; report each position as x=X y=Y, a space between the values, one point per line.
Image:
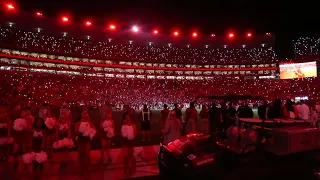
x=176 y=33
x=65 y=19
x=231 y=35
x=249 y=35
x=88 y=23
x=155 y=32
x=135 y=29
x=112 y=27
x=39 y=14
x=10 y=7
x=194 y=34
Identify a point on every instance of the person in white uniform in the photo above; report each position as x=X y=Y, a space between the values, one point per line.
x=304 y=111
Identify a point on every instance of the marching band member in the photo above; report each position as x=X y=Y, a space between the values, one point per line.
x=145 y=118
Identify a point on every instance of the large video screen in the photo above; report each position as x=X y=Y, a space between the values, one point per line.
x=298 y=70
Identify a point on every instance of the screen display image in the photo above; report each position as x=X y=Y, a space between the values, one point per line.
x=298 y=70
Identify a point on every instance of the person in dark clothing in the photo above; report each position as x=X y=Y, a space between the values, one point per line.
x=228 y=114
x=125 y=113
x=164 y=114
x=178 y=111
x=289 y=105
x=145 y=119
x=274 y=110
x=262 y=110
x=241 y=111
x=244 y=111
x=215 y=118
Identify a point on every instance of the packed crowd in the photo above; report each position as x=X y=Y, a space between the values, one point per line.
x=38 y=88
x=306 y=47
x=27 y=89
x=37 y=42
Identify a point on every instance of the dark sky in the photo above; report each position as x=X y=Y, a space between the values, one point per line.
x=286 y=19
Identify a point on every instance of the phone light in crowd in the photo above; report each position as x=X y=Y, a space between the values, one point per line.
x=155 y=31
x=268 y=34
x=135 y=29
x=213 y=35
x=194 y=34
x=112 y=27
x=65 y=19
x=10 y=7
x=88 y=23
x=176 y=33
x=231 y=35
x=249 y=35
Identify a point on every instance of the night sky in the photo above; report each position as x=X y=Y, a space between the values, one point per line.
x=285 y=19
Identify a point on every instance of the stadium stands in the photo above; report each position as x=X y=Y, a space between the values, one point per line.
x=38 y=88
x=37 y=42
x=306 y=47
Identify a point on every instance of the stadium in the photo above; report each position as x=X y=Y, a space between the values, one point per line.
x=45 y=60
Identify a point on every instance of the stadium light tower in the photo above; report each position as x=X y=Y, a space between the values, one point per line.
x=249 y=35
x=195 y=34
x=176 y=33
x=155 y=31
x=65 y=19
x=88 y=23
x=39 y=14
x=135 y=29
x=10 y=6
x=112 y=27
x=231 y=35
